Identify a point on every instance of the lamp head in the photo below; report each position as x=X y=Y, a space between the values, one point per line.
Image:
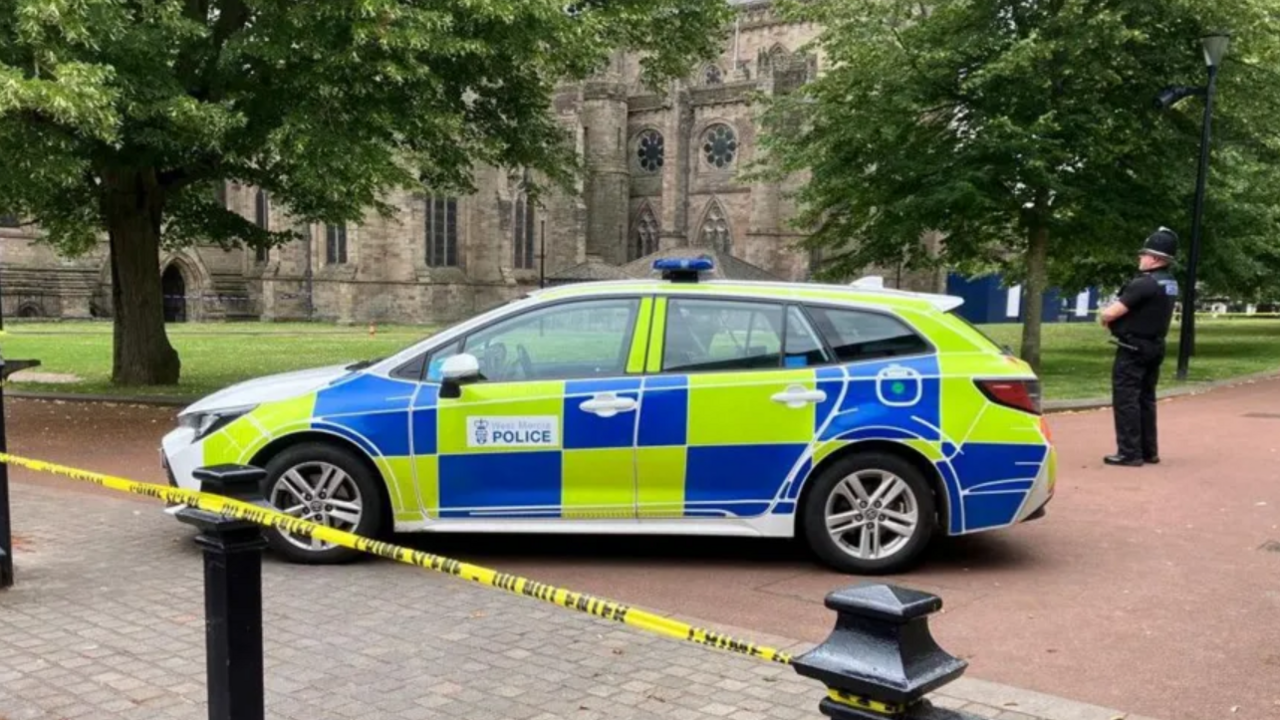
x=1215 y=48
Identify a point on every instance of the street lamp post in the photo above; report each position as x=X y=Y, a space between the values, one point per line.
x=1215 y=47
x=307 y=273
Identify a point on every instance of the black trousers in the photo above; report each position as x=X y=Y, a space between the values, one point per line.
x=1134 y=377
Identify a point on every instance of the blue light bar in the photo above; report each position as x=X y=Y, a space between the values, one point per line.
x=684 y=269
x=696 y=264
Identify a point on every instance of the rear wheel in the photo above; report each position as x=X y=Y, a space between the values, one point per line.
x=328 y=486
x=869 y=514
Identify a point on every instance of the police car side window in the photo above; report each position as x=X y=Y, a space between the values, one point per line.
x=711 y=335
x=857 y=336
x=411 y=370
x=589 y=338
x=803 y=348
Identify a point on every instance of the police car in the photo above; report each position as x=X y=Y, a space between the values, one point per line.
x=865 y=421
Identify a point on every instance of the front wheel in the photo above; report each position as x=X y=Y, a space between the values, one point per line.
x=328 y=486
x=870 y=514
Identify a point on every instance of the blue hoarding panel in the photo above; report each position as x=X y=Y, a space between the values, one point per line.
x=988 y=300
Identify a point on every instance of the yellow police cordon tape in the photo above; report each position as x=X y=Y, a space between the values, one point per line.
x=514 y=584
x=848 y=699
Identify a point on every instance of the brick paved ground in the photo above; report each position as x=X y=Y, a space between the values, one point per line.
x=106 y=621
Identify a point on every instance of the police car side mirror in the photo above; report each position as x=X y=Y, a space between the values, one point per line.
x=457 y=371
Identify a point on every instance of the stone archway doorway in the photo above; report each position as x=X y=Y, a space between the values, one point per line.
x=174 y=288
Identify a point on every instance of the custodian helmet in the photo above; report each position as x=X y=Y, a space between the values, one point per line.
x=1162 y=243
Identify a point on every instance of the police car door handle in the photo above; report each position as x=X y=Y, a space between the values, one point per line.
x=607 y=405
x=797 y=396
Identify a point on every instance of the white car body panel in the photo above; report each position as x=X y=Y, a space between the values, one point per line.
x=269 y=389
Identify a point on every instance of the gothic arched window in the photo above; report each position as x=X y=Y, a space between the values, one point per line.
x=335 y=244
x=715 y=231
x=261 y=216
x=645 y=240
x=441 y=221
x=261 y=210
x=523 y=235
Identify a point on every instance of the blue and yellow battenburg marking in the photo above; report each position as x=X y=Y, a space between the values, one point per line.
x=684 y=451
x=678 y=446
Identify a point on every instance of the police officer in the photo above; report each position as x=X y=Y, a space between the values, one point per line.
x=1139 y=321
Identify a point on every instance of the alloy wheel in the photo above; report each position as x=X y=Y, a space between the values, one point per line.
x=872 y=514
x=322 y=493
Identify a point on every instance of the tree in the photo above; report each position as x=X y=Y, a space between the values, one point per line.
x=1025 y=132
x=125 y=116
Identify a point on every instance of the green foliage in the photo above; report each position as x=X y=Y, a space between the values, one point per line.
x=325 y=104
x=987 y=119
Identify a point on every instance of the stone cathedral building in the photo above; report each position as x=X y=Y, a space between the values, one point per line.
x=664 y=171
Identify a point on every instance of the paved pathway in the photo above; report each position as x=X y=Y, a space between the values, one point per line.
x=1147 y=589
x=1150 y=590
x=106 y=622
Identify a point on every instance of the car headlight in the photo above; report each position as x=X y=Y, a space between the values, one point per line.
x=207 y=423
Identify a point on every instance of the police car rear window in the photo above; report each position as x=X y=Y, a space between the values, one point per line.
x=857 y=336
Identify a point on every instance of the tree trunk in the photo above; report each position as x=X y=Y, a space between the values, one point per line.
x=1033 y=298
x=133 y=204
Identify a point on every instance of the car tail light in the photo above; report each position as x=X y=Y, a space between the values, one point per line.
x=1021 y=395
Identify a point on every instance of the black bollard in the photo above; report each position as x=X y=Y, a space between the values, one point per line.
x=881 y=660
x=232 y=595
x=6 y=533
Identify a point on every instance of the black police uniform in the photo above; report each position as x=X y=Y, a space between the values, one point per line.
x=1140 y=333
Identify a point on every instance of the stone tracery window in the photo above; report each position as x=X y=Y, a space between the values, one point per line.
x=720 y=146
x=651 y=151
x=715 y=231
x=712 y=75
x=335 y=244
x=645 y=241
x=261 y=210
x=441 y=221
x=262 y=217
x=523 y=235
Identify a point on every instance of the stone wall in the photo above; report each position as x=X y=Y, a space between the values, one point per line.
x=36 y=282
x=684 y=196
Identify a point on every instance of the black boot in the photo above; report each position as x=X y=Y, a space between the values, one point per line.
x=1122 y=461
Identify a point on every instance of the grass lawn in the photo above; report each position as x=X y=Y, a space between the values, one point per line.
x=213 y=355
x=1077 y=358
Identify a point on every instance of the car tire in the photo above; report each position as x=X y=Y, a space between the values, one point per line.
x=351 y=483
x=836 y=501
